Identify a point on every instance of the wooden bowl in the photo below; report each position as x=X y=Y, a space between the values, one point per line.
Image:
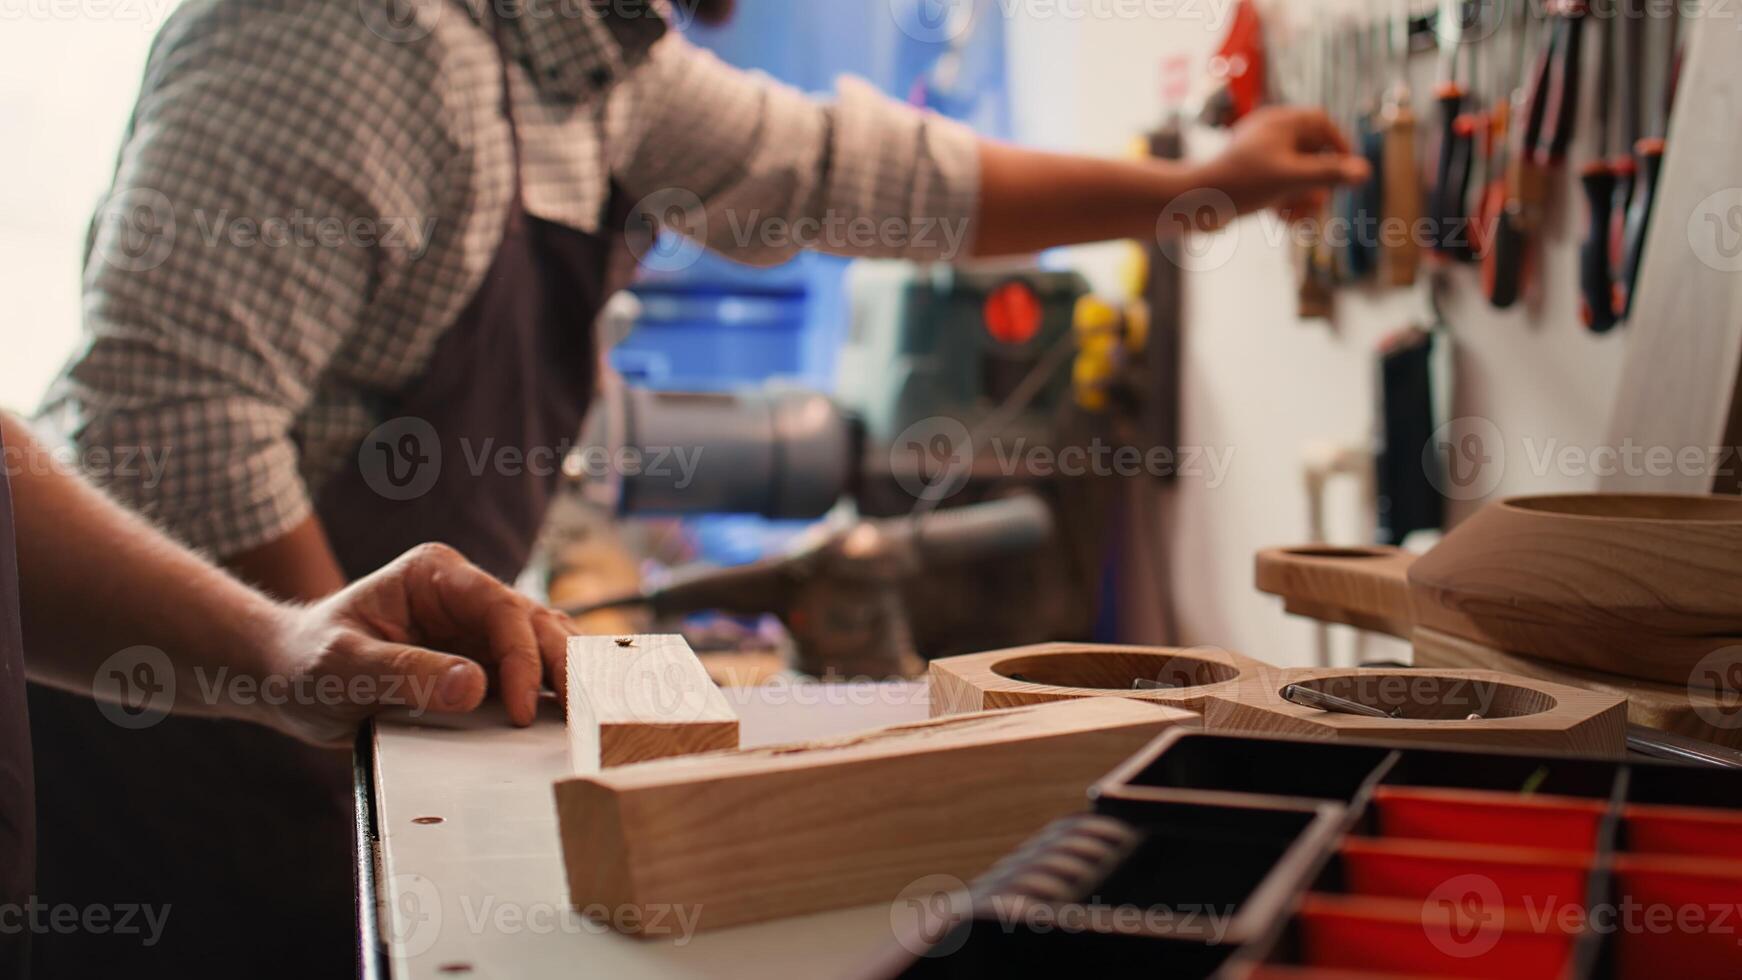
x=1432 y=706
x=1640 y=585
x=1060 y=671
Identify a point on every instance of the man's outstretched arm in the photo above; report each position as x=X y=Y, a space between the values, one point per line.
x=429 y=631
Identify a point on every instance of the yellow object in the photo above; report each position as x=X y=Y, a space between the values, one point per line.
x=1099 y=349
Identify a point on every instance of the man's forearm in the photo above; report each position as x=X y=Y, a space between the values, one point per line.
x=1282 y=157
x=1031 y=200
x=96 y=580
x=300 y=566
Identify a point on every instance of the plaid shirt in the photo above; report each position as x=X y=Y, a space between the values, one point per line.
x=310 y=191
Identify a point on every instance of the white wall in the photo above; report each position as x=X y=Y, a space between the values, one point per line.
x=69 y=71
x=1265 y=384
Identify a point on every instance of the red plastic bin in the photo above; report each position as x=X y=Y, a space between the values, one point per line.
x=1519 y=878
x=1393 y=935
x=1564 y=823
x=1677 y=916
x=1683 y=830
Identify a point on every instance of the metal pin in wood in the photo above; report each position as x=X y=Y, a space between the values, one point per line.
x=1308 y=697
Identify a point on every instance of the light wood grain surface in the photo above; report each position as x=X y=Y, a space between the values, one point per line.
x=484 y=887
x=1049 y=672
x=1673 y=708
x=734 y=837
x=636 y=698
x=1516 y=711
x=1638 y=585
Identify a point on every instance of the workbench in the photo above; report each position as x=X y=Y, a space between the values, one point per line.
x=460 y=872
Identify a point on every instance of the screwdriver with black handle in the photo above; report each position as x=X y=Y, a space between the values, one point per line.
x=1505 y=243
x=1450 y=217
x=1648 y=157
x=1526 y=181
x=1367 y=205
x=1596 y=276
x=1622 y=167
x=1565 y=75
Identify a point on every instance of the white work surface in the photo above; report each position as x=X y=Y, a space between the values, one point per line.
x=481 y=892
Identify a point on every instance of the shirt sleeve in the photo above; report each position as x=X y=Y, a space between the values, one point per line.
x=776 y=172
x=243 y=238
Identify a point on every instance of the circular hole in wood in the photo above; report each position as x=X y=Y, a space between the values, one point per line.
x=1329 y=551
x=1113 y=670
x=1638 y=507
x=1426 y=697
x=426 y=820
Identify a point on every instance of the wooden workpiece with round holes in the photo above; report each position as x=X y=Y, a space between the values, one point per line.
x=1061 y=671
x=1638 y=585
x=1431 y=706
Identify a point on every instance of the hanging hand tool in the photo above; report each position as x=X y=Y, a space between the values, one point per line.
x=1366 y=204
x=1447 y=205
x=1526 y=182
x=1596 y=275
x=1238 y=68
x=1648 y=155
x=1401 y=181
x=1565 y=75
x=1505 y=245
x=1622 y=168
x=1315 y=299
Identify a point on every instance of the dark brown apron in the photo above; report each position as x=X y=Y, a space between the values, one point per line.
x=254 y=850
x=17 y=788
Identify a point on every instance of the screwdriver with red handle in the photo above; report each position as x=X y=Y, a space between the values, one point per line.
x=1648 y=156
x=1596 y=275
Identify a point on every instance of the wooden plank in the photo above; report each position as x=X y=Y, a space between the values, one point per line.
x=737 y=837
x=481 y=893
x=638 y=698
x=1679 y=385
x=1516 y=711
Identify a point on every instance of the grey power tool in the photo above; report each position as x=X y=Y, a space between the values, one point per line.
x=841 y=596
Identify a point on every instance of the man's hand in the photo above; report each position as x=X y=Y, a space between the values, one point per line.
x=1286 y=157
x=1283 y=157
x=423 y=633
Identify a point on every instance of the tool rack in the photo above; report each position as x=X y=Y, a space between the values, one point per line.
x=1240 y=857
